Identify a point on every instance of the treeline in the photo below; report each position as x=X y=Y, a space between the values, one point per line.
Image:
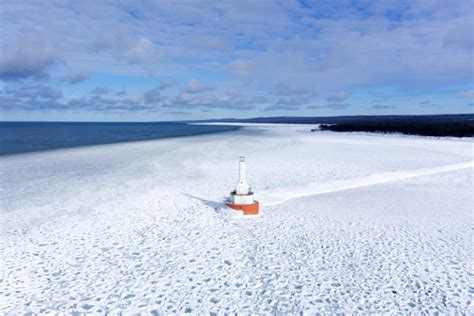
x=461 y=128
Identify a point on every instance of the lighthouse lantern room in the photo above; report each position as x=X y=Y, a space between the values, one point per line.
x=242 y=198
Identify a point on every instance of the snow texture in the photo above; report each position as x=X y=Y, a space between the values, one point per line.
x=349 y=223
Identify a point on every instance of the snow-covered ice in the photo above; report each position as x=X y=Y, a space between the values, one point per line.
x=349 y=223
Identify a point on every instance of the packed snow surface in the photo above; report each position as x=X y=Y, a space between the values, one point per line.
x=349 y=223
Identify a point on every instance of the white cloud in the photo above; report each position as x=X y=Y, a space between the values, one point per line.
x=334 y=106
x=466 y=94
x=338 y=97
x=193 y=86
x=382 y=107
x=26 y=58
x=153 y=96
x=74 y=78
x=100 y=90
x=14 y=97
x=123 y=47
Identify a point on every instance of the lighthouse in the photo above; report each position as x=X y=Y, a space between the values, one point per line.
x=242 y=199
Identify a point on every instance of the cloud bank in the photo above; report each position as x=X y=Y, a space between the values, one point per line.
x=286 y=57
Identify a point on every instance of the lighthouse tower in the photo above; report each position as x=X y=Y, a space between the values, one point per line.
x=242 y=199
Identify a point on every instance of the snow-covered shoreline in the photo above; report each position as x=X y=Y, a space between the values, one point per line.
x=140 y=226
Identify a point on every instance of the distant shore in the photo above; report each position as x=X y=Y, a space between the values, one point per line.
x=444 y=125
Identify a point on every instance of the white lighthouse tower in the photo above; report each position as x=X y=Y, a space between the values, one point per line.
x=242 y=199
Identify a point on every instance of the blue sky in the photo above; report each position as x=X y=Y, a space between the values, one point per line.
x=182 y=60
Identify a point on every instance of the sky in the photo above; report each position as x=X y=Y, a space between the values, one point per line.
x=185 y=60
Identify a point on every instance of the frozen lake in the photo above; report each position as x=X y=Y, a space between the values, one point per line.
x=349 y=223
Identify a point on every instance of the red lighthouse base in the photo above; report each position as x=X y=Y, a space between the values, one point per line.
x=248 y=209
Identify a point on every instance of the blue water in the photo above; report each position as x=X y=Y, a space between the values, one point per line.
x=21 y=137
